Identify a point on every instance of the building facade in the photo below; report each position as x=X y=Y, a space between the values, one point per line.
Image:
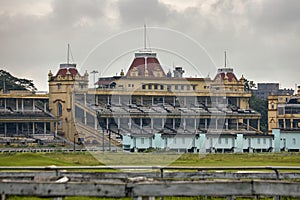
x=146 y=101
x=25 y=114
x=284 y=111
x=265 y=89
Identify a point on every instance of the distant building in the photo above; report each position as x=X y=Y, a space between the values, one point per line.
x=284 y=112
x=266 y=89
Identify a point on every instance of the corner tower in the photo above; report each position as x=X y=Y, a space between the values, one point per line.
x=61 y=88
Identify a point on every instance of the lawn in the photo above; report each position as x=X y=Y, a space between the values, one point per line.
x=79 y=158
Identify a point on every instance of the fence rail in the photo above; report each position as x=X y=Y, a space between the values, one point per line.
x=149 y=181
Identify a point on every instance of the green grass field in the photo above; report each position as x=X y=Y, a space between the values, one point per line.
x=77 y=159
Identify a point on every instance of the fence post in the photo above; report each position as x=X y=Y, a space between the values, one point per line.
x=3 y=196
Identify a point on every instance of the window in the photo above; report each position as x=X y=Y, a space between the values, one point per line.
x=58 y=86
x=59 y=109
x=155 y=86
x=265 y=141
x=194 y=87
x=169 y=87
x=188 y=87
x=161 y=87
x=150 y=87
x=219 y=140
x=176 y=87
x=142 y=140
x=182 y=87
x=226 y=140
x=143 y=87
x=258 y=140
x=294 y=140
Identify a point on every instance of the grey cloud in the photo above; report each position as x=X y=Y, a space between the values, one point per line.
x=262 y=37
x=139 y=12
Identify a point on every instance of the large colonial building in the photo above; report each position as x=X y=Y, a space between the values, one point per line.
x=142 y=101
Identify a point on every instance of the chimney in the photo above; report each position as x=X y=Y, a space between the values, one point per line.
x=178 y=72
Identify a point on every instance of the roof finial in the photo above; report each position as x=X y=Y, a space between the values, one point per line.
x=68 y=54
x=145 y=37
x=225 y=58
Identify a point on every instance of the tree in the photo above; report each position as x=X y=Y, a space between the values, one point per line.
x=9 y=82
x=259 y=105
x=249 y=85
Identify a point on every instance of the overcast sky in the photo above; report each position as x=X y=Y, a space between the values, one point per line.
x=261 y=37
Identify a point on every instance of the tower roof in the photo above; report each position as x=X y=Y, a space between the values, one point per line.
x=225 y=73
x=64 y=69
x=145 y=64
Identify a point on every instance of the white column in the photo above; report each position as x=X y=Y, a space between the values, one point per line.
x=84 y=99
x=142 y=100
x=5 y=104
x=33 y=107
x=151 y=123
x=163 y=101
x=237 y=124
x=258 y=125
x=129 y=123
x=45 y=107
x=45 y=128
x=174 y=101
x=17 y=128
x=184 y=123
x=22 y=105
x=173 y=123
x=205 y=123
x=216 y=123
x=33 y=128
x=141 y=123
x=184 y=100
x=162 y=122
x=152 y=101
x=107 y=123
x=195 y=124
x=17 y=104
x=119 y=122
x=226 y=124
x=96 y=100
x=55 y=124
x=247 y=124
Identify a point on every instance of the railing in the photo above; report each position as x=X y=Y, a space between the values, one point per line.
x=150 y=181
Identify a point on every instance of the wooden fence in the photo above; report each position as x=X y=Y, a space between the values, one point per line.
x=150 y=182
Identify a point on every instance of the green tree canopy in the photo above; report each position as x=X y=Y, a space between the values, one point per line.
x=259 y=105
x=10 y=82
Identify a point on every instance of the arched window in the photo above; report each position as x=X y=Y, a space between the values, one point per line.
x=59 y=109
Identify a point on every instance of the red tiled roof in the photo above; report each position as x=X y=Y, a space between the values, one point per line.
x=139 y=64
x=230 y=76
x=63 y=71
